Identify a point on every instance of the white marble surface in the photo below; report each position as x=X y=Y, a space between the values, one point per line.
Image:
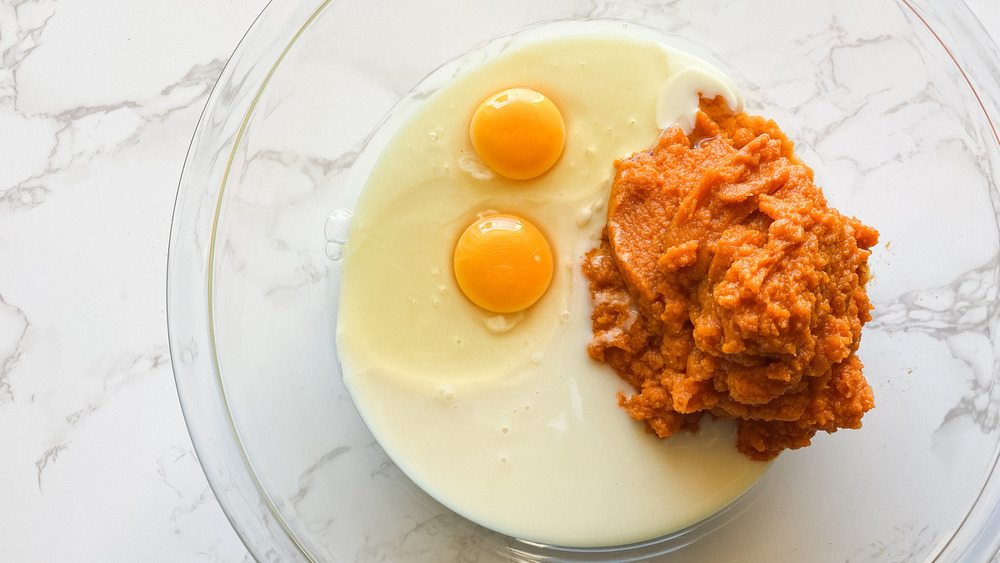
x=98 y=99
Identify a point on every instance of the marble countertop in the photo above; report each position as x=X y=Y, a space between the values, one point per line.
x=98 y=100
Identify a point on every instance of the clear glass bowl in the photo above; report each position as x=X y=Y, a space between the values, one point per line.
x=893 y=102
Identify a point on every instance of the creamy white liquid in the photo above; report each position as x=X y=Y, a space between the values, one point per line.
x=506 y=419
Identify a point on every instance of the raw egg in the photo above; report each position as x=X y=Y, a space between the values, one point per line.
x=503 y=263
x=519 y=133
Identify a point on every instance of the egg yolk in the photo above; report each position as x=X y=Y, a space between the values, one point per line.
x=503 y=263
x=519 y=133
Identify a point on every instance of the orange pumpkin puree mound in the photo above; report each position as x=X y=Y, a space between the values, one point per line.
x=724 y=284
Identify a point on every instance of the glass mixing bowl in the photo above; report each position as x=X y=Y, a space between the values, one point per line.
x=893 y=102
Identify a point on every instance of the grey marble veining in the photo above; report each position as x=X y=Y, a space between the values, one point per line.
x=98 y=100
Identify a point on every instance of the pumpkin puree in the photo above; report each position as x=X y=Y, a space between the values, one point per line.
x=724 y=284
